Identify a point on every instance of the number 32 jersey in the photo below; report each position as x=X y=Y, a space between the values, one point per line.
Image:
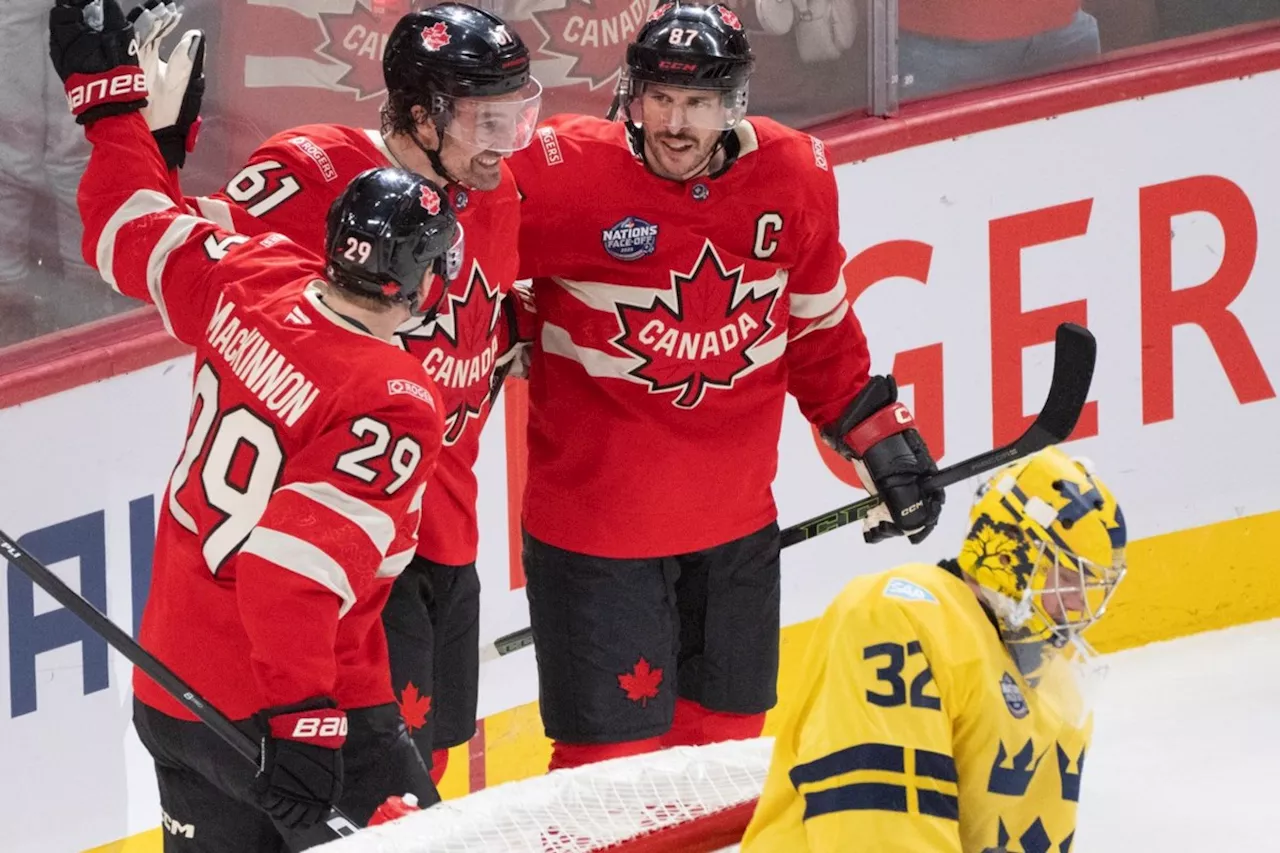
x=296 y=499
x=911 y=730
x=288 y=185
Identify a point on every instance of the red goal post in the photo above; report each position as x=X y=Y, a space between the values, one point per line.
x=689 y=799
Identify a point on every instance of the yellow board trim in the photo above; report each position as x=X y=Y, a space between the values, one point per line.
x=1179 y=583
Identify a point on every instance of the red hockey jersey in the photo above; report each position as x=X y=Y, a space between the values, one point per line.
x=295 y=501
x=678 y=317
x=288 y=186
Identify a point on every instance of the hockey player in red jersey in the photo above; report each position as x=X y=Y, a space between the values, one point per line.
x=460 y=99
x=687 y=276
x=296 y=499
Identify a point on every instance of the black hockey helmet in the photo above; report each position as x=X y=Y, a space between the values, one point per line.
x=456 y=51
x=692 y=46
x=439 y=56
x=387 y=230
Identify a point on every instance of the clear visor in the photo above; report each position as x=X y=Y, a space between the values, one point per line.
x=673 y=108
x=502 y=123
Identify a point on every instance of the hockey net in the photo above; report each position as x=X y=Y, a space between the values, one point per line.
x=690 y=799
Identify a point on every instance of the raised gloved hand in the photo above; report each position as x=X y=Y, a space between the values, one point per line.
x=95 y=52
x=878 y=434
x=300 y=775
x=176 y=86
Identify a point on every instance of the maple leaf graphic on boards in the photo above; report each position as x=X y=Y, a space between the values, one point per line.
x=458 y=349
x=642 y=683
x=703 y=340
x=357 y=39
x=413 y=708
x=593 y=33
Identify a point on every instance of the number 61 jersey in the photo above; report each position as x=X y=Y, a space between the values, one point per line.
x=296 y=498
x=912 y=730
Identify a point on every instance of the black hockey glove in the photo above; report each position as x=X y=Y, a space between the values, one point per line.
x=95 y=52
x=175 y=87
x=878 y=434
x=300 y=777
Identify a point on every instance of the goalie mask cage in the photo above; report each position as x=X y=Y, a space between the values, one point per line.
x=688 y=799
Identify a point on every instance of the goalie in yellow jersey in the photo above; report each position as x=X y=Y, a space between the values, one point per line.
x=939 y=708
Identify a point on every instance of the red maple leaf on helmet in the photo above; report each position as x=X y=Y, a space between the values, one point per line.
x=728 y=17
x=435 y=36
x=356 y=39
x=593 y=33
x=414 y=708
x=430 y=200
x=660 y=11
x=458 y=350
x=704 y=339
x=641 y=683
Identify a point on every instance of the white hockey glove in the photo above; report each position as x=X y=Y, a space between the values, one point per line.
x=175 y=86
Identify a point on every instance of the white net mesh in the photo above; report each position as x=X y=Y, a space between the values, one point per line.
x=618 y=804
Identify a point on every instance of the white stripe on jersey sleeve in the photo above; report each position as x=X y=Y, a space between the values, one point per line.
x=174 y=236
x=832 y=319
x=301 y=557
x=807 y=306
x=394 y=564
x=218 y=212
x=376 y=524
x=141 y=203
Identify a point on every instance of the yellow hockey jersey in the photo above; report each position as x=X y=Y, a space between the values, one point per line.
x=915 y=732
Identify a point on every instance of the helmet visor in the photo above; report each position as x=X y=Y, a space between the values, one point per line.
x=501 y=123
x=676 y=107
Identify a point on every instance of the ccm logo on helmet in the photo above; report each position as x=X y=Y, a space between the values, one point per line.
x=115 y=87
x=307 y=727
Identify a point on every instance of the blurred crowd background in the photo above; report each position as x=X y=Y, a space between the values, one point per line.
x=273 y=64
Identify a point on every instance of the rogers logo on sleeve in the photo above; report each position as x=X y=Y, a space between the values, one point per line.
x=413 y=389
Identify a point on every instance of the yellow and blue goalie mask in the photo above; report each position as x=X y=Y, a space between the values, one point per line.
x=1046 y=547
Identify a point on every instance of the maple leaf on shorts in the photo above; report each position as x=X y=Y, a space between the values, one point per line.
x=642 y=683
x=414 y=708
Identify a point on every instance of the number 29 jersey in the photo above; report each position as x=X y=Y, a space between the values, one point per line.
x=295 y=502
x=912 y=730
x=288 y=185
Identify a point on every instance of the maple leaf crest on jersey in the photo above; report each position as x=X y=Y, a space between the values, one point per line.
x=430 y=200
x=593 y=34
x=435 y=37
x=703 y=337
x=458 y=350
x=356 y=39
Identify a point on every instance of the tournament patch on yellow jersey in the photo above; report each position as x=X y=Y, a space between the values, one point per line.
x=915 y=732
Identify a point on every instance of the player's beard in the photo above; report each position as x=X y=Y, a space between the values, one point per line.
x=690 y=156
x=482 y=171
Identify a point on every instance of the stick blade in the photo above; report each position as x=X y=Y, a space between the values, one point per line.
x=1075 y=354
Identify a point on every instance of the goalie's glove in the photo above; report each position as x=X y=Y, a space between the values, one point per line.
x=95 y=52
x=878 y=434
x=176 y=86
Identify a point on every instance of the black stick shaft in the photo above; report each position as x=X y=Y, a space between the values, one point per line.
x=40 y=575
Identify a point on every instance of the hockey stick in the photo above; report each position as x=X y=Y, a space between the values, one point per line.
x=1074 y=355
x=338 y=824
